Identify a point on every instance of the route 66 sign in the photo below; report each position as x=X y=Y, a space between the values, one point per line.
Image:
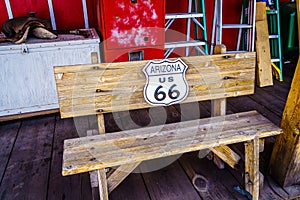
x=166 y=83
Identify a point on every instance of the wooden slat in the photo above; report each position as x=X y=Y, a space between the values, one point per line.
x=227 y=155
x=119 y=175
x=27 y=115
x=102 y=88
x=97 y=152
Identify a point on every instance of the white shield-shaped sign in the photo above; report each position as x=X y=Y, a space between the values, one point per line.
x=166 y=83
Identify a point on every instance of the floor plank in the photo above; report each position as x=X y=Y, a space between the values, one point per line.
x=69 y=187
x=131 y=188
x=170 y=183
x=8 y=136
x=246 y=103
x=26 y=176
x=270 y=189
x=220 y=183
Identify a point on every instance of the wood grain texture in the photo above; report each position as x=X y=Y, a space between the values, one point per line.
x=284 y=164
x=264 y=75
x=29 y=164
x=164 y=184
x=219 y=184
x=133 y=187
x=27 y=115
x=103 y=192
x=107 y=87
x=119 y=175
x=71 y=187
x=98 y=152
x=218 y=107
x=285 y=159
x=227 y=155
x=8 y=136
x=252 y=167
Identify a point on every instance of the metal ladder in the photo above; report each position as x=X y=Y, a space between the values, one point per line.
x=195 y=15
x=246 y=26
x=275 y=39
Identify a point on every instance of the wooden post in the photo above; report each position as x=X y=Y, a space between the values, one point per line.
x=101 y=174
x=218 y=107
x=252 y=168
x=285 y=159
x=103 y=192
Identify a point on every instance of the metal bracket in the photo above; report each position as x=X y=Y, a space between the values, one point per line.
x=24 y=49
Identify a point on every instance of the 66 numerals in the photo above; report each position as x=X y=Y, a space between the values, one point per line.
x=160 y=95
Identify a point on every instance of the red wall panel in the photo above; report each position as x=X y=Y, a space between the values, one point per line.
x=68 y=14
x=92 y=12
x=3 y=13
x=22 y=9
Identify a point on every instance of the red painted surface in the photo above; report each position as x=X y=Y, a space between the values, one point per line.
x=22 y=9
x=3 y=13
x=69 y=14
x=127 y=25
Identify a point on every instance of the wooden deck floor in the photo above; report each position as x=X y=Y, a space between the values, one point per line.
x=31 y=156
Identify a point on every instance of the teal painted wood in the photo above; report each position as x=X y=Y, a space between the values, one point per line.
x=275 y=37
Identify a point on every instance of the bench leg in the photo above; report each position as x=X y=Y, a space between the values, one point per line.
x=119 y=175
x=252 y=168
x=103 y=191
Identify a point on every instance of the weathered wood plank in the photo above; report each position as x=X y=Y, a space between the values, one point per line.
x=278 y=91
x=26 y=176
x=284 y=164
x=102 y=88
x=72 y=187
x=220 y=183
x=170 y=183
x=264 y=75
x=252 y=168
x=131 y=188
x=27 y=115
x=8 y=136
x=192 y=60
x=102 y=181
x=273 y=104
x=227 y=155
x=119 y=175
x=129 y=120
x=130 y=146
x=246 y=103
x=218 y=107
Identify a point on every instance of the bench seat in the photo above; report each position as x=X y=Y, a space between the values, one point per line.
x=119 y=148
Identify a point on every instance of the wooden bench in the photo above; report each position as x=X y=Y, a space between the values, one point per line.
x=113 y=87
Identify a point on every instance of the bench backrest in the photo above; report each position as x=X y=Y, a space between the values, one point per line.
x=112 y=87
